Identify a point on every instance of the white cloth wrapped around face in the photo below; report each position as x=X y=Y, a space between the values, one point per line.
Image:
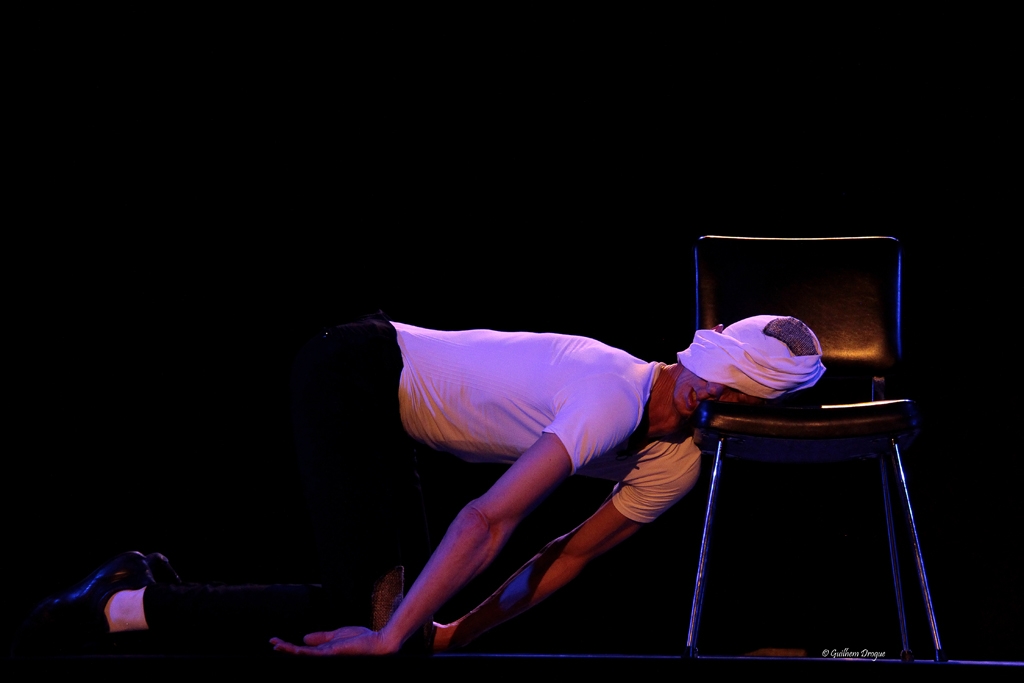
x=750 y=356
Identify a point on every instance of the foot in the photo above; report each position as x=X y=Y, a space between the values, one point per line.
x=72 y=622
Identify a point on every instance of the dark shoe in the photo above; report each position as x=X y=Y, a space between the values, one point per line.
x=72 y=622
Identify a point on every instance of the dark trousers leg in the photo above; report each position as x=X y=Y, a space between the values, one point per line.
x=222 y=618
x=357 y=463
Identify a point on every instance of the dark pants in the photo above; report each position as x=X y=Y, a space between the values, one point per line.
x=360 y=480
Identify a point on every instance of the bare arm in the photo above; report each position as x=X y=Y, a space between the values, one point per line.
x=471 y=543
x=554 y=566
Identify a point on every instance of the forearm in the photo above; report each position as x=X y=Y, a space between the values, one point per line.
x=470 y=544
x=545 y=573
x=555 y=565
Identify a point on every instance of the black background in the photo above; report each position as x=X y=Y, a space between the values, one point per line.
x=192 y=197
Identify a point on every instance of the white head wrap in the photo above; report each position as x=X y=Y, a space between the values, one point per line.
x=746 y=358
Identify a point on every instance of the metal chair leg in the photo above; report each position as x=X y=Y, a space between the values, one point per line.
x=698 y=590
x=897 y=466
x=906 y=654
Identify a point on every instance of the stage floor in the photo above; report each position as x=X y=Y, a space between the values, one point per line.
x=506 y=665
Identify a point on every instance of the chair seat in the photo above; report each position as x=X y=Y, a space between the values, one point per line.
x=828 y=433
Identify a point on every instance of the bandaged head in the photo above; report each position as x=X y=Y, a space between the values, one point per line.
x=765 y=356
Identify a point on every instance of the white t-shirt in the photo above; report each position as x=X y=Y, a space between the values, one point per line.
x=487 y=396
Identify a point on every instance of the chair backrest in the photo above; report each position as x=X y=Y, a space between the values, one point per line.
x=847 y=289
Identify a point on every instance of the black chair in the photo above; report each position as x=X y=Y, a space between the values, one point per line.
x=848 y=290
